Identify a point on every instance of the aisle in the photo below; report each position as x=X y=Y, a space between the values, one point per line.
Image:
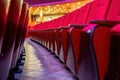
x=40 y=64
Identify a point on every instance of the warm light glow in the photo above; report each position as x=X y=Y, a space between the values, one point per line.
x=73 y=5
x=52 y=9
x=56 y=9
x=63 y=6
x=36 y=11
x=48 y=6
x=78 y=3
x=60 y=8
x=78 y=7
x=57 y=5
x=62 y=11
x=67 y=4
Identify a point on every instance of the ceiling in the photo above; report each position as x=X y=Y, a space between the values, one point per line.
x=61 y=8
x=53 y=7
x=44 y=2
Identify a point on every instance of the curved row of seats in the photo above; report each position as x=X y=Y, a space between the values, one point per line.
x=13 y=23
x=87 y=40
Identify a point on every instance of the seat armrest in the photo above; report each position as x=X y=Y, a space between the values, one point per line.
x=107 y=23
x=77 y=25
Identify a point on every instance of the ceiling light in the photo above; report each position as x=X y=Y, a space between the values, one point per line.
x=48 y=6
x=73 y=5
x=57 y=5
x=52 y=9
x=63 y=6
x=60 y=8
x=62 y=11
x=83 y=4
x=78 y=7
x=67 y=4
x=78 y=3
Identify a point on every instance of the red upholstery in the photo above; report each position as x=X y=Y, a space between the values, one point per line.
x=66 y=20
x=91 y=42
x=9 y=40
x=4 y=6
x=46 y=38
x=114 y=70
x=52 y=41
x=88 y=46
x=102 y=48
x=83 y=14
x=64 y=44
x=24 y=31
x=73 y=16
x=19 y=34
x=58 y=42
x=75 y=32
x=99 y=10
x=74 y=42
x=113 y=73
x=114 y=11
x=116 y=30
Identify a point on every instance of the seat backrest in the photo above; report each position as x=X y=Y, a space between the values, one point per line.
x=99 y=10
x=66 y=20
x=95 y=45
x=73 y=16
x=19 y=34
x=114 y=11
x=114 y=63
x=4 y=7
x=24 y=29
x=9 y=39
x=12 y=24
x=83 y=14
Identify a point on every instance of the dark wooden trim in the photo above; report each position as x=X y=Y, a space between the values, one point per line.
x=107 y=23
x=77 y=25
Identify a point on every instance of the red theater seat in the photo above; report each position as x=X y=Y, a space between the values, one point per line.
x=66 y=20
x=73 y=16
x=19 y=35
x=4 y=7
x=75 y=36
x=52 y=40
x=69 y=19
x=94 y=54
x=9 y=39
x=64 y=44
x=113 y=19
x=85 y=48
x=24 y=31
x=58 y=41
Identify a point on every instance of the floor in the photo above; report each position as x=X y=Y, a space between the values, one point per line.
x=40 y=64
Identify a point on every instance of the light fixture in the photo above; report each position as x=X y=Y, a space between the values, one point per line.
x=54 y=7
x=57 y=5
x=67 y=4
x=63 y=6
x=73 y=5
x=48 y=6
x=59 y=8
x=78 y=3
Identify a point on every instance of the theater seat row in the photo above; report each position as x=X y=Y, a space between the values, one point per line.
x=13 y=23
x=87 y=40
